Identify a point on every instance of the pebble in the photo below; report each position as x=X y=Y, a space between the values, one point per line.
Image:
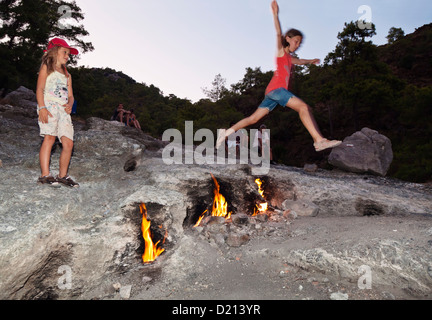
x=240 y=219
x=310 y=167
x=283 y=274
x=237 y=240
x=116 y=286
x=125 y=292
x=339 y=296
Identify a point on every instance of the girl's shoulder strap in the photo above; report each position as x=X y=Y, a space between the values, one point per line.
x=66 y=72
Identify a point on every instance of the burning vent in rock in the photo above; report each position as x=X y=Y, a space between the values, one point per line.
x=154 y=236
x=152 y=249
x=225 y=201
x=219 y=207
x=251 y=206
x=226 y=197
x=262 y=207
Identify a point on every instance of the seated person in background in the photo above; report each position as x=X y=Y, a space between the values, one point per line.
x=119 y=114
x=132 y=120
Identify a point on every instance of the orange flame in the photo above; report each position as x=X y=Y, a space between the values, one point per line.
x=263 y=207
x=220 y=206
x=151 y=251
x=200 y=218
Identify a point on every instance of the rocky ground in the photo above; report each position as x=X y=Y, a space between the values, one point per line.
x=330 y=235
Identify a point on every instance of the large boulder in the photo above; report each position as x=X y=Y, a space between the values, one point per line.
x=22 y=97
x=366 y=151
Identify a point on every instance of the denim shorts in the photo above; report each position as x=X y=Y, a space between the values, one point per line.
x=276 y=97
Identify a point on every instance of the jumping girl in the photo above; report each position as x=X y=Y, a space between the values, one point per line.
x=277 y=91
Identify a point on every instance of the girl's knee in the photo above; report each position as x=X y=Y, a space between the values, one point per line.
x=67 y=144
x=298 y=105
x=304 y=107
x=49 y=139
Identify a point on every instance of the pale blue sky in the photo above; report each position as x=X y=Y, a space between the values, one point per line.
x=180 y=45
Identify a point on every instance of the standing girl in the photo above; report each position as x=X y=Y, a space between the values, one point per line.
x=277 y=91
x=55 y=101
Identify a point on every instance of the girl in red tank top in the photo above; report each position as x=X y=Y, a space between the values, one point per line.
x=282 y=74
x=277 y=91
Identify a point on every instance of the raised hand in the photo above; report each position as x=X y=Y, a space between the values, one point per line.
x=275 y=7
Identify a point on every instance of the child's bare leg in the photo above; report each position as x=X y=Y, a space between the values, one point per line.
x=246 y=122
x=254 y=118
x=306 y=117
x=45 y=154
x=65 y=156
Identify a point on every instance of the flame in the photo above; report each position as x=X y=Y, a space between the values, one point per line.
x=220 y=206
x=200 y=218
x=151 y=251
x=263 y=207
x=260 y=190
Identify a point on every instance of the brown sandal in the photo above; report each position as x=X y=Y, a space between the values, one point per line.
x=48 y=180
x=67 y=181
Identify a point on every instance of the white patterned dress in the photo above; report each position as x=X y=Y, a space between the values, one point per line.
x=55 y=96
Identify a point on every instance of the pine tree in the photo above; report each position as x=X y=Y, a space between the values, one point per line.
x=218 y=89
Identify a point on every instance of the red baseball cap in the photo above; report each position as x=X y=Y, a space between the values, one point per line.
x=57 y=42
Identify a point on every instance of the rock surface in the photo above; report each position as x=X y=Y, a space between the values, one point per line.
x=365 y=151
x=86 y=243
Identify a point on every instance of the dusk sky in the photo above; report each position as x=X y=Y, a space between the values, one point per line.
x=181 y=45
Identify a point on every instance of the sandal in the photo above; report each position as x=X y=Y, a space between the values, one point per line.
x=326 y=144
x=49 y=180
x=67 y=181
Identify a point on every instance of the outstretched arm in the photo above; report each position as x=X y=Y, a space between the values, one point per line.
x=275 y=10
x=304 y=61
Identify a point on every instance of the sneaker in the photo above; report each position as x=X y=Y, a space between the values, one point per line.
x=67 y=181
x=48 y=180
x=326 y=144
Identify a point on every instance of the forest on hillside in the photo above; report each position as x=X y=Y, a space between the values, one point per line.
x=386 y=88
